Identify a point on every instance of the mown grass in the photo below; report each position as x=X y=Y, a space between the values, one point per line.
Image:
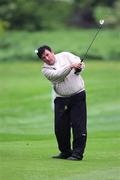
x=27 y=140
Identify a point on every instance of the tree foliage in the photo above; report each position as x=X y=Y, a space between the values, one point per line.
x=83 y=13
x=50 y=14
x=34 y=14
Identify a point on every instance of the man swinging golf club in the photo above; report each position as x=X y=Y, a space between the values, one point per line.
x=64 y=71
x=70 y=101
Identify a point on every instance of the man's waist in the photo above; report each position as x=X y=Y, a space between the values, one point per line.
x=70 y=95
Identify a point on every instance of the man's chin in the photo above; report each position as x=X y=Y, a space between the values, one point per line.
x=52 y=63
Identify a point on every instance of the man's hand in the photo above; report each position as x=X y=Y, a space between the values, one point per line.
x=76 y=66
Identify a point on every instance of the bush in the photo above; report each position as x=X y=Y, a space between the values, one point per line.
x=21 y=45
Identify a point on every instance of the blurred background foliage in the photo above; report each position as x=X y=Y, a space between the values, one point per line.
x=21 y=20
x=53 y=14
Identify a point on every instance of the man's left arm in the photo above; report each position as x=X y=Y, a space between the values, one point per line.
x=75 y=59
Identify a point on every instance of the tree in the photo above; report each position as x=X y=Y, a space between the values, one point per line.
x=34 y=14
x=83 y=12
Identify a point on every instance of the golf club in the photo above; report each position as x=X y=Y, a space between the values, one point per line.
x=101 y=22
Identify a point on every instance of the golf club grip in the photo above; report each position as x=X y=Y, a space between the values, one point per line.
x=78 y=70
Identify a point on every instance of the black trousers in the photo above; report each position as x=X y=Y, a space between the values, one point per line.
x=71 y=119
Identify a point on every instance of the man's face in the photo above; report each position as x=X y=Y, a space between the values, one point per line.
x=48 y=57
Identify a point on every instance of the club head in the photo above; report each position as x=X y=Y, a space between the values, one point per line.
x=101 y=21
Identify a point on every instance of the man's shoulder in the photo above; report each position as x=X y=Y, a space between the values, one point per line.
x=63 y=54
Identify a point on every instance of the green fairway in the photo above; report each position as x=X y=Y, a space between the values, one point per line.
x=27 y=139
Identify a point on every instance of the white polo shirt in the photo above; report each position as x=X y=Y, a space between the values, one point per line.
x=65 y=81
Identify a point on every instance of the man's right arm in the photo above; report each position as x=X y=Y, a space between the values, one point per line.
x=58 y=75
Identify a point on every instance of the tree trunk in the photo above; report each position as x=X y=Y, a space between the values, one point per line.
x=82 y=18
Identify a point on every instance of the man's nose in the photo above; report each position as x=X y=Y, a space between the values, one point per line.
x=47 y=58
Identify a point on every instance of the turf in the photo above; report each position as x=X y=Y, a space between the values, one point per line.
x=27 y=141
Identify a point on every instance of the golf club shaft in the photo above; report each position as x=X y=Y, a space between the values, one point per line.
x=85 y=55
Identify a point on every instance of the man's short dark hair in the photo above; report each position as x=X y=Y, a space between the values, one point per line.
x=42 y=49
